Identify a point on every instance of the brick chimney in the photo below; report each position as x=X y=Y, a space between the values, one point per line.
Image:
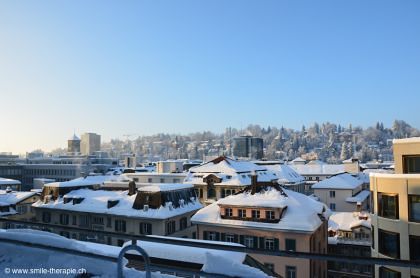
x=254 y=182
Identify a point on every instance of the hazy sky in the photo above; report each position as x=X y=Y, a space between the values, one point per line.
x=142 y=67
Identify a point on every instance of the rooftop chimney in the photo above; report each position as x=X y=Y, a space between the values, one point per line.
x=254 y=181
x=132 y=188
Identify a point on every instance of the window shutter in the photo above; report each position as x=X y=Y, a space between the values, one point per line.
x=206 y=235
x=241 y=239
x=223 y=237
x=262 y=243
x=276 y=244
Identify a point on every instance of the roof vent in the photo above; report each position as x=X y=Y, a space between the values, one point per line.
x=67 y=199
x=77 y=200
x=145 y=207
x=112 y=203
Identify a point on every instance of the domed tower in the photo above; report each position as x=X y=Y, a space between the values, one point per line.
x=73 y=145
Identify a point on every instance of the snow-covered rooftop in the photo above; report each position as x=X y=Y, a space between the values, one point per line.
x=85 y=181
x=96 y=201
x=346 y=221
x=406 y=140
x=318 y=168
x=4 y=181
x=342 y=181
x=156 y=187
x=227 y=165
x=285 y=173
x=15 y=197
x=359 y=198
x=302 y=212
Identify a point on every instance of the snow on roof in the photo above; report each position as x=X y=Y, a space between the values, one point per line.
x=406 y=140
x=313 y=168
x=211 y=259
x=359 y=198
x=298 y=159
x=342 y=181
x=87 y=181
x=285 y=173
x=13 y=252
x=4 y=181
x=156 y=187
x=302 y=212
x=346 y=221
x=227 y=165
x=96 y=201
x=15 y=197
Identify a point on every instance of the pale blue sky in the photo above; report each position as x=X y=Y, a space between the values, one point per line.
x=118 y=67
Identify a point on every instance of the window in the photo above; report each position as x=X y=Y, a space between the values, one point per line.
x=388 y=273
x=83 y=220
x=149 y=180
x=108 y=222
x=332 y=194
x=414 y=247
x=242 y=213
x=411 y=164
x=212 y=236
x=372 y=235
x=176 y=181
x=372 y=207
x=290 y=244
x=183 y=223
x=145 y=228
x=46 y=217
x=269 y=214
x=64 y=219
x=388 y=205
x=170 y=227
x=228 y=212
x=290 y=271
x=414 y=208
x=269 y=244
x=249 y=241
x=74 y=220
x=389 y=243
x=120 y=226
x=230 y=238
x=332 y=206
x=97 y=220
x=211 y=193
x=162 y=180
x=255 y=214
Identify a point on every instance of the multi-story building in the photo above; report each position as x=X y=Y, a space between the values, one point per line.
x=269 y=217
x=248 y=147
x=154 y=177
x=90 y=143
x=170 y=166
x=396 y=210
x=224 y=176
x=349 y=234
x=344 y=192
x=9 y=184
x=158 y=209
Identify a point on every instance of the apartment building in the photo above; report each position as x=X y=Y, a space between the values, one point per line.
x=154 y=177
x=224 y=176
x=158 y=209
x=396 y=210
x=349 y=234
x=269 y=217
x=17 y=204
x=344 y=192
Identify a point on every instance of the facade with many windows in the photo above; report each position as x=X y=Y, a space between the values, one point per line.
x=396 y=210
x=79 y=213
x=269 y=218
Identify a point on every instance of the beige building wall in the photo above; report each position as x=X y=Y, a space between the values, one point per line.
x=90 y=142
x=340 y=199
x=403 y=185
